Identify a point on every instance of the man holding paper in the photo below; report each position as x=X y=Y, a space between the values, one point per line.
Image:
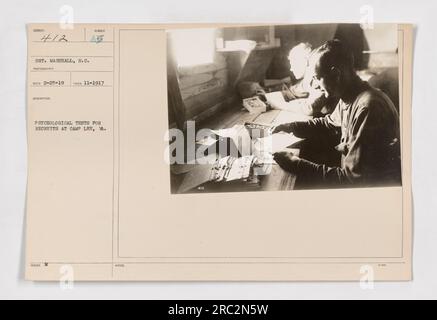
x=365 y=117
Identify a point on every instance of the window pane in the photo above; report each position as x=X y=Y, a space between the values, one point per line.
x=193 y=46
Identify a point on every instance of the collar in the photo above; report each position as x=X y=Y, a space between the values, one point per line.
x=351 y=96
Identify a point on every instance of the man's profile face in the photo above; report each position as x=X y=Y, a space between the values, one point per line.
x=325 y=81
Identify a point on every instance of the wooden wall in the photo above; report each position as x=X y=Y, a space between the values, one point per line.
x=204 y=88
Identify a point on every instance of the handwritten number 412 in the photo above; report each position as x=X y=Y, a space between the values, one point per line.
x=54 y=38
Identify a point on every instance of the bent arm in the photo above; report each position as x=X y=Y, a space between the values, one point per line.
x=358 y=164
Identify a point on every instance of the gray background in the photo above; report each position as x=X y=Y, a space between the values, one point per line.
x=15 y=14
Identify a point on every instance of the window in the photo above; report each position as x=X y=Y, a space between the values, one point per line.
x=193 y=46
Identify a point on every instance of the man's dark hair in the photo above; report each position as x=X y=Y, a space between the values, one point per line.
x=334 y=54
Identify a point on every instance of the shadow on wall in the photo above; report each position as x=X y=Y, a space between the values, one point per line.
x=353 y=36
x=317 y=35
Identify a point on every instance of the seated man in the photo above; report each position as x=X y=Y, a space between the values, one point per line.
x=298 y=58
x=302 y=97
x=366 y=118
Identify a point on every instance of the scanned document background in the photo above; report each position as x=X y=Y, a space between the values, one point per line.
x=99 y=197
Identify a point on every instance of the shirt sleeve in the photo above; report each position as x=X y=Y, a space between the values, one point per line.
x=358 y=154
x=318 y=126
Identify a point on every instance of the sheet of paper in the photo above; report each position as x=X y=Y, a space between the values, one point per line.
x=287 y=117
x=264 y=148
x=240 y=137
x=240 y=168
x=108 y=111
x=276 y=142
x=276 y=99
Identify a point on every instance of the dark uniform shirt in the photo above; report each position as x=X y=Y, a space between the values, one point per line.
x=370 y=141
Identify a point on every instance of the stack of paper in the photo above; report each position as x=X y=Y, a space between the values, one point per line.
x=231 y=169
x=239 y=136
x=276 y=100
x=264 y=148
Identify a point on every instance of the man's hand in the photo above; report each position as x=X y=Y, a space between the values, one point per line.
x=287 y=161
x=286 y=127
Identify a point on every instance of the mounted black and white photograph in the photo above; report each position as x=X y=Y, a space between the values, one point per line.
x=283 y=107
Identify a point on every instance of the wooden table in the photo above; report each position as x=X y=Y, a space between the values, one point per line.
x=277 y=179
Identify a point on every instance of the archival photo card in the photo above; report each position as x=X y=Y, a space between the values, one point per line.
x=219 y=152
